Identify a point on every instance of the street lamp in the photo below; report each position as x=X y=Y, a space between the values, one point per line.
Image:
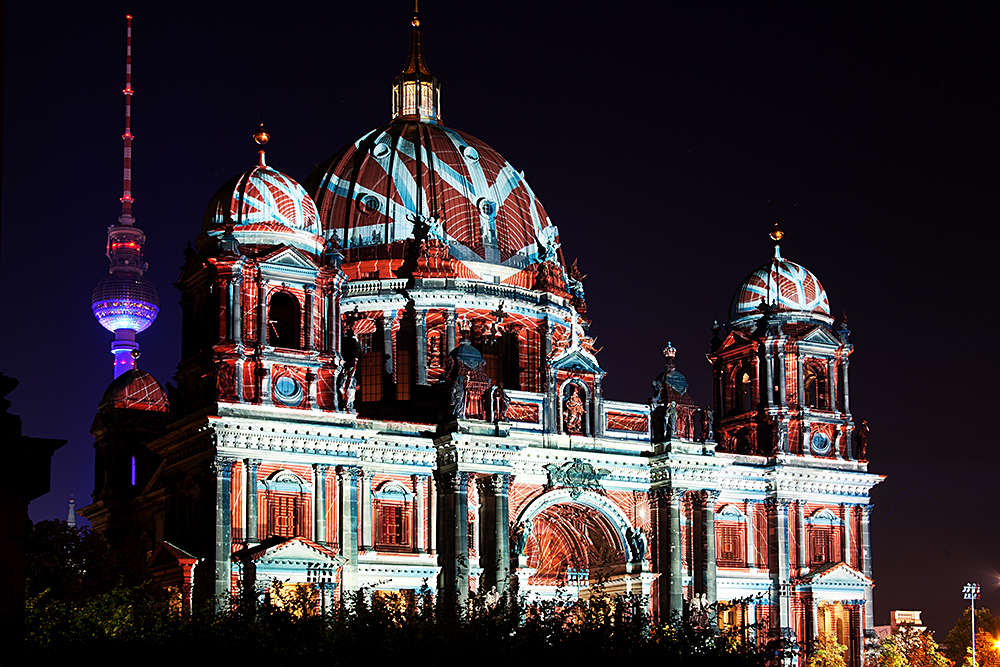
x=971 y=592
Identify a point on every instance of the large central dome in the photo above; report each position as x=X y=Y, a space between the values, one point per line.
x=374 y=190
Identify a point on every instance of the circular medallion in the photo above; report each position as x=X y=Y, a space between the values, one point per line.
x=487 y=207
x=470 y=153
x=381 y=151
x=287 y=390
x=370 y=204
x=820 y=444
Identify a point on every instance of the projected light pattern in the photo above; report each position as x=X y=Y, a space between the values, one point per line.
x=785 y=285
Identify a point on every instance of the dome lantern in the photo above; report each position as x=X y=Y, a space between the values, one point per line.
x=416 y=93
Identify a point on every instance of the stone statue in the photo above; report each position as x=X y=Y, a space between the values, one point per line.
x=670 y=421
x=347 y=387
x=458 y=397
x=519 y=534
x=707 y=435
x=500 y=403
x=573 y=412
x=861 y=440
x=698 y=609
x=636 y=540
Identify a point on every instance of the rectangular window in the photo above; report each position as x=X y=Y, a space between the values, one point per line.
x=821 y=540
x=393 y=525
x=404 y=374
x=730 y=545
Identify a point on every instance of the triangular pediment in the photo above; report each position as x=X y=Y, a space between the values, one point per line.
x=289 y=256
x=296 y=550
x=734 y=340
x=837 y=574
x=821 y=336
x=576 y=360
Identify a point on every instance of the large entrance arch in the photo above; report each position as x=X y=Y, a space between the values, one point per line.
x=572 y=540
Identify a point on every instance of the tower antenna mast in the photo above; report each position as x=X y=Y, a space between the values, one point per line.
x=126 y=216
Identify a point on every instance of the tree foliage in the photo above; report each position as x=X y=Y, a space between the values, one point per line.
x=825 y=651
x=907 y=647
x=959 y=638
x=126 y=619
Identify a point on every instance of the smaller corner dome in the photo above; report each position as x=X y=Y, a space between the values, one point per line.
x=262 y=200
x=135 y=390
x=789 y=287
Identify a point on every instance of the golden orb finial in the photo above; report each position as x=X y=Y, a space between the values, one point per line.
x=260 y=136
x=776 y=233
x=415 y=21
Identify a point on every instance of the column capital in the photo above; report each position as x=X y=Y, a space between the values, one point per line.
x=222 y=466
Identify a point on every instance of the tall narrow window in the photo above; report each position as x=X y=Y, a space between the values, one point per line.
x=283 y=323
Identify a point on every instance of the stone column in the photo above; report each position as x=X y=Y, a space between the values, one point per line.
x=800 y=375
x=708 y=526
x=453 y=536
x=251 y=466
x=421 y=326
x=501 y=527
x=800 y=533
x=781 y=575
x=845 y=545
x=751 y=535
x=782 y=376
x=865 y=561
x=225 y=287
x=237 y=307
x=388 y=320
x=319 y=502
x=769 y=376
x=307 y=316
x=347 y=477
x=367 y=532
x=667 y=551
x=262 y=311
x=598 y=428
x=844 y=363
x=452 y=344
x=495 y=553
x=420 y=511
x=265 y=384
x=831 y=380
x=223 y=469
x=813 y=631
x=433 y=503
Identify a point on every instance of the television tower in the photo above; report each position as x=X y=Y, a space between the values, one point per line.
x=126 y=302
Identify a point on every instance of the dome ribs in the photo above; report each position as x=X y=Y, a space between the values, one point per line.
x=485 y=210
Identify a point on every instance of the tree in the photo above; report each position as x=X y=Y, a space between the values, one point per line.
x=826 y=652
x=907 y=647
x=987 y=652
x=959 y=638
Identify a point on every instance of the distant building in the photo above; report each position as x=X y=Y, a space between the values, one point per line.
x=387 y=379
x=897 y=618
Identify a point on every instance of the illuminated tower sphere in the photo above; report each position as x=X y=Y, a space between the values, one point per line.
x=126 y=302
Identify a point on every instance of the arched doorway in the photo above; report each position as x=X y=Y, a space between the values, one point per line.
x=577 y=542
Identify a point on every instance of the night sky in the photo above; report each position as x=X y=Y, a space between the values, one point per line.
x=662 y=142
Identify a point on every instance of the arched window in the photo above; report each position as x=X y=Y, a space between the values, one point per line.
x=283 y=321
x=742 y=391
x=817 y=386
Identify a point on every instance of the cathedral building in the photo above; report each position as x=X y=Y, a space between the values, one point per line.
x=387 y=381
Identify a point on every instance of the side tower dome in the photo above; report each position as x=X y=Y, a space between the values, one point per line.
x=784 y=287
x=263 y=207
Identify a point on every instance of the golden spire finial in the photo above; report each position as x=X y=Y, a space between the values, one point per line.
x=261 y=137
x=776 y=235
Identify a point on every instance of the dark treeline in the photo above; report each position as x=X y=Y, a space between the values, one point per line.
x=84 y=599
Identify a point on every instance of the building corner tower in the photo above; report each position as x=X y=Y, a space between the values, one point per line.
x=125 y=302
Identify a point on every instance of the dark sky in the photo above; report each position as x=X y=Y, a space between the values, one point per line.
x=663 y=143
